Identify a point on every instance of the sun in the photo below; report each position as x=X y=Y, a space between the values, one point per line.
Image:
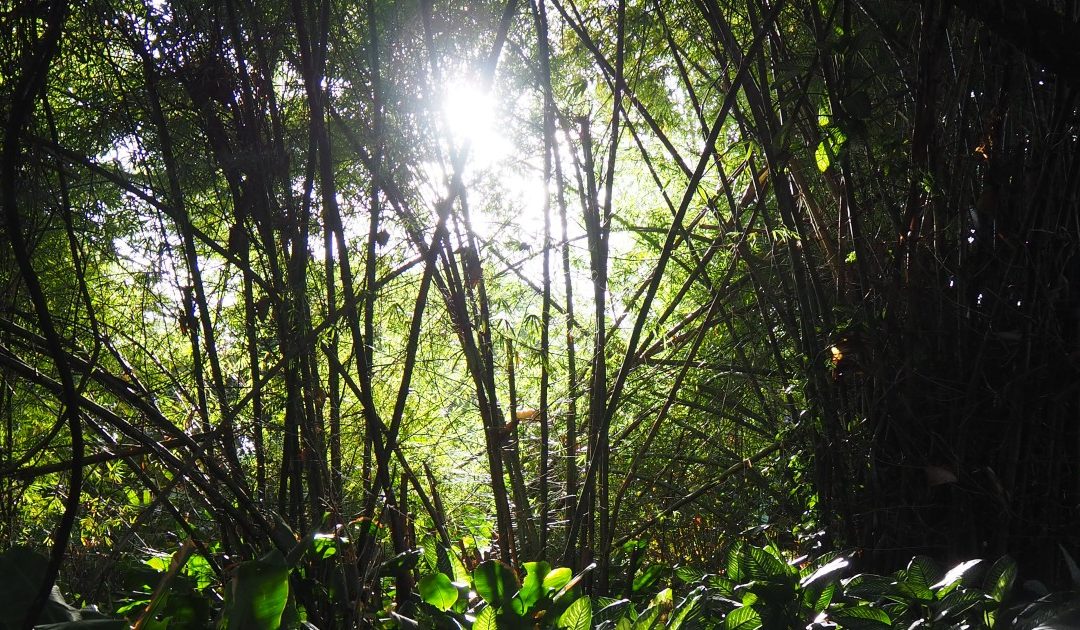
x=472 y=117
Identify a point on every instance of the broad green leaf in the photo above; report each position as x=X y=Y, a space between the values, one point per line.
x=1000 y=578
x=431 y=554
x=749 y=597
x=437 y=590
x=861 y=618
x=821 y=157
x=404 y=560
x=913 y=591
x=762 y=565
x=485 y=620
x=690 y=575
x=198 y=568
x=648 y=577
x=532 y=586
x=823 y=599
x=258 y=594
x=22 y=571
x=610 y=609
x=952 y=578
x=723 y=586
x=686 y=609
x=957 y=603
x=648 y=619
x=496 y=583
x=324 y=545
x=922 y=571
x=1050 y=613
x=829 y=570
x=159 y=562
x=870 y=586
x=790 y=569
x=578 y=616
x=557 y=578
x=664 y=600
x=742 y=618
x=735 y=569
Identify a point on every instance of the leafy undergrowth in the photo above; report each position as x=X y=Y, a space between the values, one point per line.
x=759 y=587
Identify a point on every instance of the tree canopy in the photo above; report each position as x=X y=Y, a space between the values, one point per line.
x=573 y=282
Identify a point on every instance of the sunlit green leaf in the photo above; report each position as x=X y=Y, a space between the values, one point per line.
x=495 y=582
x=485 y=620
x=862 y=618
x=742 y=618
x=557 y=578
x=258 y=593
x=437 y=590
x=578 y=616
x=999 y=579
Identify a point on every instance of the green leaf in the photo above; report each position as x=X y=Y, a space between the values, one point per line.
x=23 y=571
x=687 y=608
x=532 y=587
x=957 y=603
x=257 y=596
x=861 y=618
x=735 y=563
x=648 y=619
x=913 y=591
x=723 y=586
x=557 y=578
x=1000 y=578
x=437 y=590
x=690 y=575
x=828 y=571
x=648 y=577
x=485 y=620
x=578 y=616
x=610 y=610
x=953 y=577
x=496 y=583
x=664 y=599
x=762 y=565
x=922 y=571
x=821 y=157
x=742 y=618
x=324 y=545
x=870 y=586
x=405 y=560
x=198 y=568
x=822 y=601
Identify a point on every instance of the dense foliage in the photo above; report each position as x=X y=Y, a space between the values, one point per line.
x=500 y=313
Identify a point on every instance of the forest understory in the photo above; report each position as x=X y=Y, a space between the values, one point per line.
x=540 y=314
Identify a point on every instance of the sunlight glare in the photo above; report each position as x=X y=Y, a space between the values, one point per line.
x=471 y=117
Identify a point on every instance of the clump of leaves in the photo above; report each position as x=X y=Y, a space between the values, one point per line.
x=758 y=588
x=494 y=595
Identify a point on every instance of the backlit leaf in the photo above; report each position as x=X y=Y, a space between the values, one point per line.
x=437 y=590
x=578 y=616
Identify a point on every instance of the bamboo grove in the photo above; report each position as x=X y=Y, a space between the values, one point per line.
x=804 y=267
